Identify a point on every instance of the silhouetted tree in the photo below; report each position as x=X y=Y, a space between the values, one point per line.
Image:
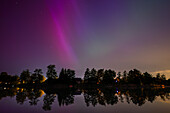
x=134 y=76
x=124 y=74
x=92 y=77
x=109 y=76
x=37 y=76
x=25 y=76
x=51 y=72
x=86 y=75
x=71 y=74
x=15 y=79
x=168 y=82
x=119 y=74
x=67 y=75
x=158 y=76
x=125 y=77
x=5 y=78
x=147 y=78
x=100 y=74
x=62 y=73
x=163 y=77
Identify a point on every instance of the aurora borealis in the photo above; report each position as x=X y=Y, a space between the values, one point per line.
x=76 y=34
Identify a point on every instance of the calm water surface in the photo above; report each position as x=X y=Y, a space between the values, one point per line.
x=115 y=100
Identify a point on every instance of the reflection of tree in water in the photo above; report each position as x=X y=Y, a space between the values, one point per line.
x=164 y=95
x=138 y=100
x=21 y=96
x=138 y=97
x=6 y=92
x=48 y=100
x=127 y=98
x=33 y=96
x=113 y=99
x=102 y=97
x=65 y=100
x=65 y=97
x=112 y=96
x=167 y=96
x=151 y=96
x=121 y=98
x=90 y=97
x=33 y=101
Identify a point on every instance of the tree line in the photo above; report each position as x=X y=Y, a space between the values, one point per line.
x=27 y=77
x=93 y=76
x=134 y=76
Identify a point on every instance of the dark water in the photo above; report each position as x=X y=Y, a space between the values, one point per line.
x=96 y=100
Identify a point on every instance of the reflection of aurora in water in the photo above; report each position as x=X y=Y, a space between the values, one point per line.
x=92 y=97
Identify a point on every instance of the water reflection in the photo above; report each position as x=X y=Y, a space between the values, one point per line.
x=48 y=101
x=92 y=97
x=112 y=96
x=32 y=95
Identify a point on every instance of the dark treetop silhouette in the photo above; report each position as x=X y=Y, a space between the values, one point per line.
x=92 y=77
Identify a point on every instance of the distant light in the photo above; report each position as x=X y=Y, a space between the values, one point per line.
x=70 y=86
x=4 y=87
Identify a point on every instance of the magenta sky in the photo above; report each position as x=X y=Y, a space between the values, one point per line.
x=117 y=34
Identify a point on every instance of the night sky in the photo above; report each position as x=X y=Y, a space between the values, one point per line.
x=76 y=34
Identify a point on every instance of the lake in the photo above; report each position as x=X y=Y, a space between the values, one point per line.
x=89 y=100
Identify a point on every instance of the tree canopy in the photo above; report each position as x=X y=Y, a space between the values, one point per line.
x=51 y=72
